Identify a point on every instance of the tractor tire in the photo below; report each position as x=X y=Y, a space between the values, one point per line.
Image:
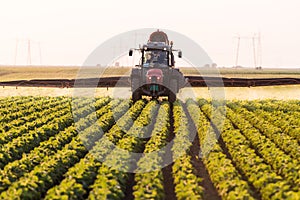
x=136 y=96
x=173 y=90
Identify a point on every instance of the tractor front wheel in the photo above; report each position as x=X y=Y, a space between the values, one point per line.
x=136 y=96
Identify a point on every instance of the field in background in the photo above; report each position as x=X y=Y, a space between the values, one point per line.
x=57 y=72
x=269 y=92
x=247 y=72
x=8 y=73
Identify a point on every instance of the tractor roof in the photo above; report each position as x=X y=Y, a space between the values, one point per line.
x=156 y=46
x=159 y=36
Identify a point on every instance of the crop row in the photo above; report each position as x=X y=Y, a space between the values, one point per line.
x=17 y=112
x=282 y=163
x=35 y=183
x=285 y=142
x=78 y=178
x=112 y=178
x=223 y=174
x=258 y=173
x=149 y=177
x=289 y=123
x=33 y=123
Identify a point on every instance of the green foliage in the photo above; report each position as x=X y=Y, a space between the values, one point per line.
x=223 y=173
x=44 y=154
x=187 y=184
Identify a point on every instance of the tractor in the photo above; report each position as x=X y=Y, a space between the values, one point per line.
x=156 y=75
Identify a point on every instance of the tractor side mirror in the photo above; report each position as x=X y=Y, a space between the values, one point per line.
x=130 y=52
x=180 y=54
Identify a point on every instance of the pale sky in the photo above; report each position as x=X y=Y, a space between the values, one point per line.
x=68 y=31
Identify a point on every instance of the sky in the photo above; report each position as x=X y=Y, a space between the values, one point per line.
x=65 y=32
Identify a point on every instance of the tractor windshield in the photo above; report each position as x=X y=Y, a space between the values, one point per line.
x=155 y=57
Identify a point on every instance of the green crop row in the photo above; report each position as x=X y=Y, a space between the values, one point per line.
x=25 y=124
x=20 y=116
x=272 y=105
x=15 y=109
x=26 y=142
x=282 y=163
x=112 y=178
x=12 y=102
x=77 y=180
x=288 y=122
x=48 y=173
x=14 y=170
x=284 y=141
x=96 y=130
x=187 y=184
x=223 y=174
x=258 y=173
x=34 y=185
x=149 y=178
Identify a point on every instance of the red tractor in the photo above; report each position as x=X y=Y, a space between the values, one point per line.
x=156 y=74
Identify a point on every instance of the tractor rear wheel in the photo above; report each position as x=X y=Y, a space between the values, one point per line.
x=135 y=84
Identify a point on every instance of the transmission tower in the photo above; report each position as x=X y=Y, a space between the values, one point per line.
x=256 y=48
x=30 y=45
x=28 y=53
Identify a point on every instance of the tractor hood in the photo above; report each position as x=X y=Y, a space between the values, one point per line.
x=154 y=72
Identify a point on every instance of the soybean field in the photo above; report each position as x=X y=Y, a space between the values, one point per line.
x=241 y=149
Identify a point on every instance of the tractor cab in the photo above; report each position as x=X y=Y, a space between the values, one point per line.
x=156 y=55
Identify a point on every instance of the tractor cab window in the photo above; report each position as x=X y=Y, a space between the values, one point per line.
x=155 y=56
